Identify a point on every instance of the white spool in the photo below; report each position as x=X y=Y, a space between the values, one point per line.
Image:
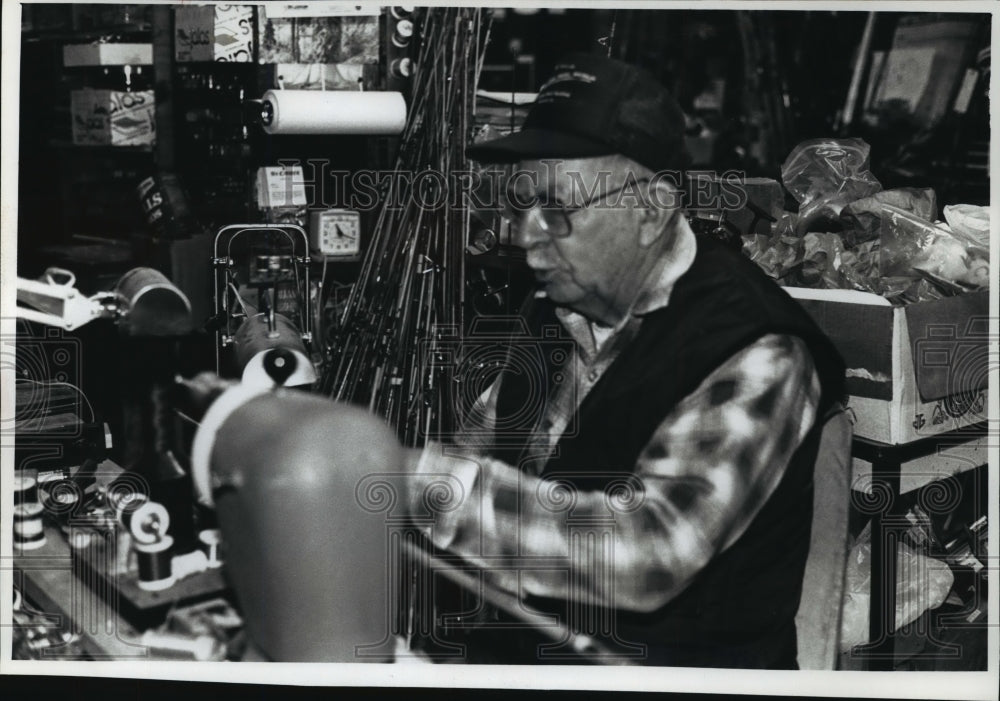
x=148 y=523
x=29 y=532
x=335 y=112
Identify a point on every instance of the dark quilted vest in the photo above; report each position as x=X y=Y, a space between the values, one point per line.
x=739 y=611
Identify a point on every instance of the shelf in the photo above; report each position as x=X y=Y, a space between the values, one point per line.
x=111 y=150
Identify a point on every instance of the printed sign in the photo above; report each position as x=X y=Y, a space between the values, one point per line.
x=112 y=117
x=214 y=33
x=280 y=186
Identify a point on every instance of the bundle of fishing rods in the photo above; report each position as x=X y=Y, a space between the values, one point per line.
x=406 y=308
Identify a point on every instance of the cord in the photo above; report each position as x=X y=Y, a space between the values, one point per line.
x=93 y=415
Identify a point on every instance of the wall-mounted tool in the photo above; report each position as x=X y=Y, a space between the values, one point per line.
x=270 y=261
x=144 y=302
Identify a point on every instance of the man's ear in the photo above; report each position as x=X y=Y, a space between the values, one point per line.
x=658 y=213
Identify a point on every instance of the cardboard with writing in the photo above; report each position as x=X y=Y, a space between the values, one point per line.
x=912 y=371
x=113 y=117
x=214 y=33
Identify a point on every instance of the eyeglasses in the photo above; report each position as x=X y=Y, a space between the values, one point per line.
x=550 y=215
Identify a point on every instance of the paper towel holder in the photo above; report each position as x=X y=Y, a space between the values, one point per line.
x=259 y=112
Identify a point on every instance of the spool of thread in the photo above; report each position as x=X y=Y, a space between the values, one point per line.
x=80 y=538
x=154 y=560
x=147 y=523
x=401 y=67
x=209 y=541
x=59 y=495
x=333 y=112
x=45 y=483
x=29 y=533
x=403 y=33
x=25 y=489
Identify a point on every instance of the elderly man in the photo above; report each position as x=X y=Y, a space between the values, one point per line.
x=684 y=417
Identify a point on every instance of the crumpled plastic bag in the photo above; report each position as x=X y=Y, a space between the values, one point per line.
x=777 y=255
x=913 y=247
x=822 y=261
x=850 y=234
x=861 y=219
x=970 y=220
x=922 y=583
x=824 y=175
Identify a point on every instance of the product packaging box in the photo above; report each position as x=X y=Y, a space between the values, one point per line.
x=113 y=117
x=214 y=33
x=109 y=54
x=912 y=371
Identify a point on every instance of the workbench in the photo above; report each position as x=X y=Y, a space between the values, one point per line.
x=106 y=612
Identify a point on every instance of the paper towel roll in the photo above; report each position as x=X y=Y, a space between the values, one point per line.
x=334 y=112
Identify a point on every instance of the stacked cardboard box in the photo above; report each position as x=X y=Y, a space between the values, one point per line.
x=113 y=117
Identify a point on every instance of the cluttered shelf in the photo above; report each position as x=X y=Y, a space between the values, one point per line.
x=924 y=504
x=114 y=593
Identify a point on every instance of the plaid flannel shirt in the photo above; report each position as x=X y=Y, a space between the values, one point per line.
x=696 y=495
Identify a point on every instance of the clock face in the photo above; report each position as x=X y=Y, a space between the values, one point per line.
x=337 y=232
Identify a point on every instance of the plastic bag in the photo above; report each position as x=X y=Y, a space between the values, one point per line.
x=922 y=583
x=824 y=175
x=971 y=221
x=862 y=218
x=913 y=247
x=822 y=259
x=777 y=255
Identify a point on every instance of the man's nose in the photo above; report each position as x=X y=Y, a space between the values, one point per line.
x=528 y=232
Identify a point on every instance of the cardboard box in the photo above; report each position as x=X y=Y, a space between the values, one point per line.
x=113 y=118
x=111 y=54
x=912 y=371
x=214 y=33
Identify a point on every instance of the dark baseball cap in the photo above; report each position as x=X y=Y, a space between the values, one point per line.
x=596 y=106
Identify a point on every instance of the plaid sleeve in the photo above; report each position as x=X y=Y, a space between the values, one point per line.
x=704 y=475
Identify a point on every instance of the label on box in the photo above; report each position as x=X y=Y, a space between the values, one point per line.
x=280 y=186
x=214 y=33
x=194 y=33
x=233 y=33
x=113 y=118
